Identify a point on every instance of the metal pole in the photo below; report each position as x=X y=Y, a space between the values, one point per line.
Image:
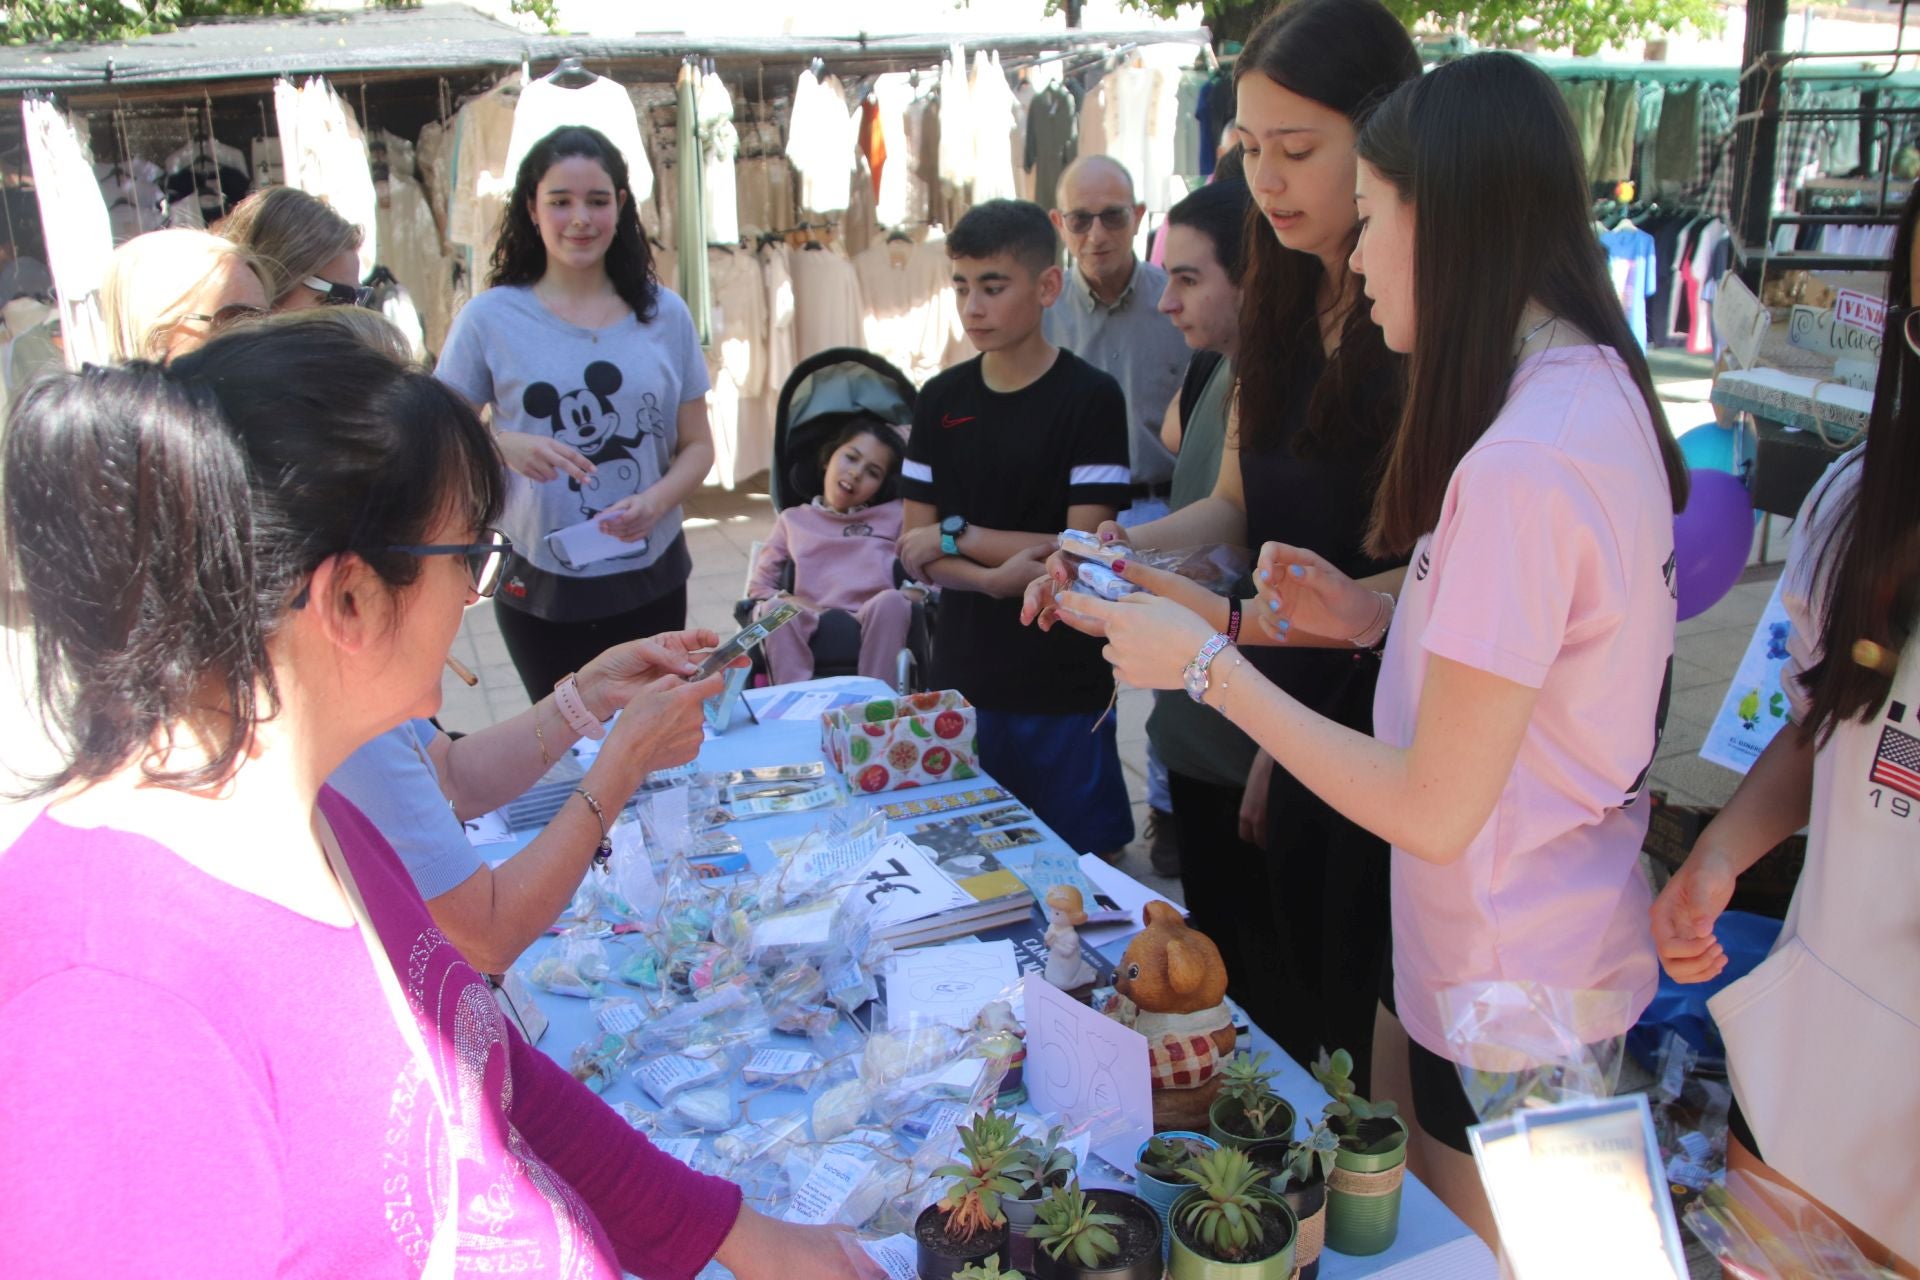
x=1756 y=138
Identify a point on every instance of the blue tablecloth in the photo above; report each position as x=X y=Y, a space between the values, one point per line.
x=1432 y=1242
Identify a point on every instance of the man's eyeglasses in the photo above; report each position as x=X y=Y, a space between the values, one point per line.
x=485 y=559
x=226 y=317
x=1117 y=218
x=333 y=294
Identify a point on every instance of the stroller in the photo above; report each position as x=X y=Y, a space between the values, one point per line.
x=816 y=401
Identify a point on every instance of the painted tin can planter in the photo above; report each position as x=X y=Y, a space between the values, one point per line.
x=1160 y=1193
x=1184 y=1262
x=1281 y=1126
x=1148 y=1260
x=1363 y=1198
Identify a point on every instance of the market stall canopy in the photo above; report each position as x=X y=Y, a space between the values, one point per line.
x=448 y=37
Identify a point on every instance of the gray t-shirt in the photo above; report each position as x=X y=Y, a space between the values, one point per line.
x=1135 y=343
x=615 y=395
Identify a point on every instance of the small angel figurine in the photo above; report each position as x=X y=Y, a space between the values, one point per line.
x=1066 y=912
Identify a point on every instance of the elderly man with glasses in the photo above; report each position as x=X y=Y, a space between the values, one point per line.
x=1108 y=314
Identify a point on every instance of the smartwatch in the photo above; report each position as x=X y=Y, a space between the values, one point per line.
x=951 y=527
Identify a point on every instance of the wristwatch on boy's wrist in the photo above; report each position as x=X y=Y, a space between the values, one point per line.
x=1196 y=677
x=951 y=527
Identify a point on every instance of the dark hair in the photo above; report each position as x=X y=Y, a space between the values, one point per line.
x=519 y=255
x=867 y=424
x=1219 y=212
x=163 y=522
x=1486 y=153
x=1017 y=227
x=1870 y=560
x=1345 y=55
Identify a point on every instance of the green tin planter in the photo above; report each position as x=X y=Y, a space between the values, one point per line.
x=1226 y=1108
x=1363 y=1198
x=1160 y=1193
x=1309 y=1204
x=1184 y=1262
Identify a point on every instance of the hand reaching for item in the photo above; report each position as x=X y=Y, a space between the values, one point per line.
x=612 y=680
x=1150 y=639
x=1685 y=912
x=541 y=458
x=1297 y=589
x=660 y=728
x=759 y=1248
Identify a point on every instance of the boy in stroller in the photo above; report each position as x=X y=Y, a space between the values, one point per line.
x=841 y=549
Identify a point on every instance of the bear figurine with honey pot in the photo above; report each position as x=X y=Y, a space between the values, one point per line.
x=1172 y=989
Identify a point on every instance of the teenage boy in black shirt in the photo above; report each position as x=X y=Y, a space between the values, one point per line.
x=1007 y=450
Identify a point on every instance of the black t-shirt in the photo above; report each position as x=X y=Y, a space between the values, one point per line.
x=1017 y=460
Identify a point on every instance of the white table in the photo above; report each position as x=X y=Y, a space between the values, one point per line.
x=1432 y=1242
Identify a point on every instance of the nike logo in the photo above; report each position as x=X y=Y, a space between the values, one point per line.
x=948 y=420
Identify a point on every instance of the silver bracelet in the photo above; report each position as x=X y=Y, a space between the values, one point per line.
x=1376 y=627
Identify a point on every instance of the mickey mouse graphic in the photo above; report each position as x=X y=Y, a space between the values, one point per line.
x=586 y=420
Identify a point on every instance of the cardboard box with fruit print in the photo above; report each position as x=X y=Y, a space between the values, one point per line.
x=892 y=743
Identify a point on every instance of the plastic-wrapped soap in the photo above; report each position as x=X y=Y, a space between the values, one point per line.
x=838 y=1110
x=704 y=1108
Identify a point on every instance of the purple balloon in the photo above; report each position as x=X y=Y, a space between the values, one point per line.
x=1711 y=540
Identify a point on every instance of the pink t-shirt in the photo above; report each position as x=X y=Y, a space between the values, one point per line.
x=196 y=1081
x=1551 y=567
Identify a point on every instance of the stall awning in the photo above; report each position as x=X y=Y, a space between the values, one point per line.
x=451 y=37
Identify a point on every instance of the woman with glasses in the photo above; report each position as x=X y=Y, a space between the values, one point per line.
x=237 y=1045
x=1844 y=976
x=168 y=292
x=597 y=386
x=308 y=253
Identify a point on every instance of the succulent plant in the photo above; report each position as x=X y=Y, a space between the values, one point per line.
x=1067 y=1223
x=1225 y=1218
x=1045 y=1161
x=1247 y=1082
x=989 y=1269
x=1349 y=1112
x=1164 y=1158
x=1317 y=1150
x=989 y=1150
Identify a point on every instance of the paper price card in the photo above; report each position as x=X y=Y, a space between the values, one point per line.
x=895 y=1255
x=621 y=1019
x=771 y=1066
x=1579 y=1192
x=826 y=1189
x=664 y=1077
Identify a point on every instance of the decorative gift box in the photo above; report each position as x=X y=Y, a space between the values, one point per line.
x=891 y=743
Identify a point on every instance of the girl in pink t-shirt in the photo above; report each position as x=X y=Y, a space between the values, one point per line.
x=841 y=547
x=1533 y=482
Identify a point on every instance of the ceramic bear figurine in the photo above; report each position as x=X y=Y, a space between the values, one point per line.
x=1172 y=988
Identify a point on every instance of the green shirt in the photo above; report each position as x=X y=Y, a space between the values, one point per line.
x=1193 y=740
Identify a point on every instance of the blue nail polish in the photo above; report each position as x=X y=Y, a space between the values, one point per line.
x=1299 y=570
x=1283 y=624
x=1265 y=576
x=1273 y=606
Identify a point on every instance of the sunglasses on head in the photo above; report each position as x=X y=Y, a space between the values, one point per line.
x=1117 y=218
x=339 y=295
x=226 y=317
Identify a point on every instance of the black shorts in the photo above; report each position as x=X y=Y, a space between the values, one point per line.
x=1439 y=1099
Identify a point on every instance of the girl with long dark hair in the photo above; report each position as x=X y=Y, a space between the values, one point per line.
x=1841 y=982
x=1532 y=480
x=597 y=386
x=1298 y=903
x=236 y=1043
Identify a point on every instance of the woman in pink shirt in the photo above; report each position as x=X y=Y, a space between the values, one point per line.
x=1533 y=482
x=841 y=547
x=234 y=1043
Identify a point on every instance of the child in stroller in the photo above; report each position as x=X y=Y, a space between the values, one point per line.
x=841 y=548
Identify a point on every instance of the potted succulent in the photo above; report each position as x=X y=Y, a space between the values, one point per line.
x=988 y=1270
x=1159 y=1164
x=1248 y=1110
x=1107 y=1234
x=1363 y=1188
x=966 y=1225
x=1039 y=1166
x=1298 y=1172
x=1230 y=1225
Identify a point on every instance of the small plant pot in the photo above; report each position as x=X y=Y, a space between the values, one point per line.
x=1161 y=1193
x=936 y=1257
x=1363 y=1198
x=1021 y=1214
x=1228 y=1123
x=1309 y=1205
x=1185 y=1261
x=1140 y=1258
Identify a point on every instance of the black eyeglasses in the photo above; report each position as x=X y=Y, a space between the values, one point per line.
x=226 y=317
x=333 y=294
x=1117 y=218
x=484 y=559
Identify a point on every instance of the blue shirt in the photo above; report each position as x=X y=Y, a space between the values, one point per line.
x=392 y=780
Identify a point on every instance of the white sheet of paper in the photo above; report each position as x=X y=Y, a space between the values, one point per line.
x=1755 y=707
x=904 y=885
x=826 y=1189
x=1088 y=1069
x=895 y=1255
x=1132 y=897
x=488 y=828
x=587 y=543
x=950 y=983
x=809 y=926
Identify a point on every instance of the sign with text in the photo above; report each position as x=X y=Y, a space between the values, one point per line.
x=1861 y=311
x=1818 y=329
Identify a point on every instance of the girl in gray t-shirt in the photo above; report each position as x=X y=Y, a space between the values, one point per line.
x=596 y=382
